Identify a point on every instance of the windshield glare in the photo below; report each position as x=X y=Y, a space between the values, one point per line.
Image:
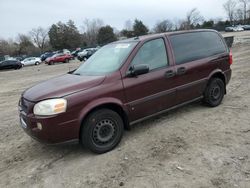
x=106 y=60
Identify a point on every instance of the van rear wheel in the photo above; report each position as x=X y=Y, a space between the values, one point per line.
x=102 y=131
x=214 y=92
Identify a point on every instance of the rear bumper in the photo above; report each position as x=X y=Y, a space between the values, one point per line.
x=228 y=74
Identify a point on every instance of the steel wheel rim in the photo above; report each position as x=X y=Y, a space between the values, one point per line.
x=104 y=132
x=216 y=92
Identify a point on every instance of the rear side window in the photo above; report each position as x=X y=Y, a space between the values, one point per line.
x=193 y=46
x=152 y=53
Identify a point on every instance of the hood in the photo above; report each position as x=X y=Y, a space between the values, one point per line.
x=61 y=86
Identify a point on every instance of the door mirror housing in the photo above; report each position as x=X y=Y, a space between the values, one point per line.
x=136 y=70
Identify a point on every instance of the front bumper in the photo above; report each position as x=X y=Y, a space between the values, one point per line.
x=51 y=129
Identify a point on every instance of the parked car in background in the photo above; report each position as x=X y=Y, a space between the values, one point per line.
x=64 y=51
x=46 y=55
x=234 y=28
x=31 y=61
x=65 y=58
x=239 y=28
x=246 y=27
x=126 y=82
x=86 y=53
x=21 y=58
x=75 y=52
x=10 y=64
x=229 y=29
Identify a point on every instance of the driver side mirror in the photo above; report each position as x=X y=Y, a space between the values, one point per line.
x=136 y=70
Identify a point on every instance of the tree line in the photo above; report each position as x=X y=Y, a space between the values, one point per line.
x=95 y=33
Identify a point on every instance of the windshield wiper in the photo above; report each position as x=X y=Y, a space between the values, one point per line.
x=71 y=71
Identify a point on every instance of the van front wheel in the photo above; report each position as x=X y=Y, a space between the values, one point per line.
x=102 y=131
x=214 y=92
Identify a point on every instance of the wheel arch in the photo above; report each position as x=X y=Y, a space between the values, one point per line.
x=218 y=74
x=111 y=104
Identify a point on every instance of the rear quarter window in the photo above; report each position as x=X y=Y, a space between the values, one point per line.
x=193 y=46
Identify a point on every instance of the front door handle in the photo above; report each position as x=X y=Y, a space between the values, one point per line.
x=181 y=70
x=170 y=74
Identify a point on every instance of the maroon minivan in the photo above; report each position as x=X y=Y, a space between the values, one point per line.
x=126 y=82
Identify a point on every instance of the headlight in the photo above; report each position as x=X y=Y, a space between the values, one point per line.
x=50 y=107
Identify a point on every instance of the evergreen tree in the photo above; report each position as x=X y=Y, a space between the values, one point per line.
x=139 y=28
x=63 y=35
x=106 y=35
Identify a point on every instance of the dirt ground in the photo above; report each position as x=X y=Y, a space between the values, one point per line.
x=194 y=146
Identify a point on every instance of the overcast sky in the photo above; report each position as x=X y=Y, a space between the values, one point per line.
x=20 y=16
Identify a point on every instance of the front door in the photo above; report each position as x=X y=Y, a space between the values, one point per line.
x=154 y=91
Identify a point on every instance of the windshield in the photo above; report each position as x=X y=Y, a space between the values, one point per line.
x=106 y=60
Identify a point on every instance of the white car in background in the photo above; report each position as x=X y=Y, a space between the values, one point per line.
x=31 y=61
x=239 y=28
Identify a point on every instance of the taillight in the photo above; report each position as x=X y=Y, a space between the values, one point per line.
x=230 y=58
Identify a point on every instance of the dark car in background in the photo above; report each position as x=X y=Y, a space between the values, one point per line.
x=20 y=58
x=126 y=82
x=75 y=52
x=46 y=55
x=10 y=64
x=86 y=53
x=246 y=27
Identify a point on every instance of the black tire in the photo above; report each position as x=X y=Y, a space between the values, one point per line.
x=80 y=59
x=36 y=63
x=102 y=131
x=85 y=59
x=18 y=67
x=214 y=92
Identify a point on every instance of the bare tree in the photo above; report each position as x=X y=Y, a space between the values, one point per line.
x=163 y=26
x=177 y=23
x=230 y=7
x=245 y=3
x=25 y=45
x=239 y=15
x=128 y=25
x=91 y=29
x=8 y=47
x=248 y=14
x=192 y=19
x=39 y=37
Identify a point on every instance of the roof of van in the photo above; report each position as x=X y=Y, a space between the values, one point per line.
x=144 y=37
